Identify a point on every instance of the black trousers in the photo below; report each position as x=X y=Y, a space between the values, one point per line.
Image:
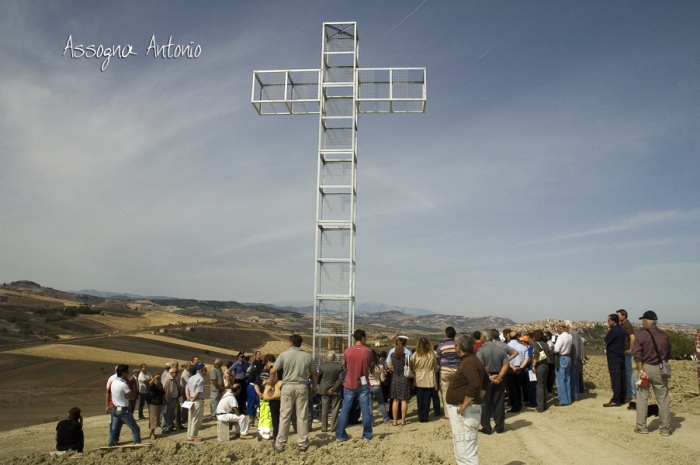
x=493 y=405
x=423 y=396
x=617 y=380
x=550 y=378
x=275 y=414
x=515 y=389
x=435 y=397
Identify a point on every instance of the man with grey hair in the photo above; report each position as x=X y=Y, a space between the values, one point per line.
x=330 y=375
x=171 y=386
x=576 y=361
x=495 y=360
x=463 y=401
x=652 y=347
x=216 y=376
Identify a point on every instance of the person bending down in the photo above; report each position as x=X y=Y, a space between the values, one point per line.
x=228 y=411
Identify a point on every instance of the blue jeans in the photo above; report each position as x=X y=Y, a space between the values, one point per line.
x=365 y=405
x=575 y=372
x=564 y=380
x=123 y=417
x=379 y=395
x=629 y=376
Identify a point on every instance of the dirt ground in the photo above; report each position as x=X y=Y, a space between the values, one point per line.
x=583 y=433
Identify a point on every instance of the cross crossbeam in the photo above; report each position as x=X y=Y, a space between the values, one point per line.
x=338 y=92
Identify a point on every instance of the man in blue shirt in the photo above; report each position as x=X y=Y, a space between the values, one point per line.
x=615 y=351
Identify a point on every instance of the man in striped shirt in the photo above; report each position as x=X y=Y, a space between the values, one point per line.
x=449 y=362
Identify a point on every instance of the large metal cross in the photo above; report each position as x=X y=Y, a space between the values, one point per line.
x=337 y=92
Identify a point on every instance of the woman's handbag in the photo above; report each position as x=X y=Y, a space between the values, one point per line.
x=407 y=373
x=276 y=395
x=543 y=354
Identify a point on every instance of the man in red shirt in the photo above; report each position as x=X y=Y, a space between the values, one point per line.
x=357 y=362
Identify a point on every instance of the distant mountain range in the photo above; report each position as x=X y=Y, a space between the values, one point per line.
x=121 y=295
x=360 y=308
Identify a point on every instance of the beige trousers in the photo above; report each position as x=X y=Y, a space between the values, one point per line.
x=194 y=419
x=294 y=397
x=660 y=386
x=445 y=379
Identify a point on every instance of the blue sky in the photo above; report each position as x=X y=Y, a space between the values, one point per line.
x=555 y=172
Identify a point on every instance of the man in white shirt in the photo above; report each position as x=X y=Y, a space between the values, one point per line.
x=562 y=351
x=227 y=411
x=108 y=398
x=195 y=394
x=121 y=394
x=576 y=361
x=516 y=378
x=144 y=378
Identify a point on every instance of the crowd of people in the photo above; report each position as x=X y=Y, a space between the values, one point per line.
x=470 y=379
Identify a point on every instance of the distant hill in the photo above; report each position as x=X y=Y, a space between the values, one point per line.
x=360 y=308
x=432 y=323
x=121 y=295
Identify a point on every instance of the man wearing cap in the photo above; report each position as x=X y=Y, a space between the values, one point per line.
x=629 y=344
x=239 y=370
x=615 y=353
x=651 y=347
x=297 y=366
x=406 y=350
x=195 y=394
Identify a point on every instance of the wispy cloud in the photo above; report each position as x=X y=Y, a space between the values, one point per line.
x=642 y=220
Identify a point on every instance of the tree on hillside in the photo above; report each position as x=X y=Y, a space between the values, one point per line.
x=682 y=346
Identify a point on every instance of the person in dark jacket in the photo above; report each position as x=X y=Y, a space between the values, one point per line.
x=155 y=404
x=615 y=351
x=69 y=433
x=330 y=375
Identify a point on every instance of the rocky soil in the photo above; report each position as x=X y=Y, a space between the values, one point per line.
x=583 y=433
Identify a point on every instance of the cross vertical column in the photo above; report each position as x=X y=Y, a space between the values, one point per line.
x=334 y=288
